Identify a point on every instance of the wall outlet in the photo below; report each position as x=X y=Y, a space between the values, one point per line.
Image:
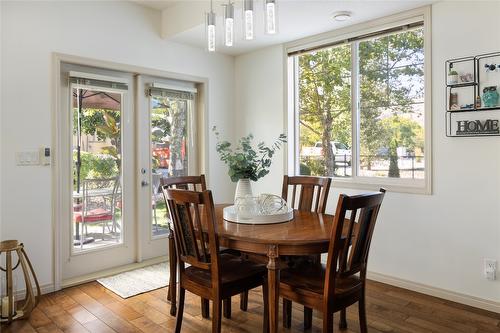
x=490 y=269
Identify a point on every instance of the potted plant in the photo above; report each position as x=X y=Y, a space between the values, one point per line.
x=453 y=77
x=246 y=162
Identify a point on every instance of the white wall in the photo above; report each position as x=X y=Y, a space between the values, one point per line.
x=121 y=32
x=259 y=106
x=438 y=240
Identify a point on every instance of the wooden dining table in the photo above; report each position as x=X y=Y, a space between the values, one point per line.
x=308 y=233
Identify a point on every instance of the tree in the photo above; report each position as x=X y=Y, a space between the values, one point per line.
x=390 y=84
x=325 y=99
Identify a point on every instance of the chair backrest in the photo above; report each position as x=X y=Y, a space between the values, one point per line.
x=348 y=253
x=99 y=193
x=312 y=190
x=193 y=183
x=188 y=210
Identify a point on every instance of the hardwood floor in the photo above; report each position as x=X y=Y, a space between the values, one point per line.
x=92 y=308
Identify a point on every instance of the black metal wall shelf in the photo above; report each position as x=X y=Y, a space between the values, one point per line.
x=483 y=114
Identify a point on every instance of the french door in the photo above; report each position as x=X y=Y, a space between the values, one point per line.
x=166 y=148
x=121 y=133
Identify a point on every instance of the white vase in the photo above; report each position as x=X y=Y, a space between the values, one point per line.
x=243 y=189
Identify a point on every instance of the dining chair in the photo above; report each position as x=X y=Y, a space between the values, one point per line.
x=194 y=183
x=312 y=192
x=308 y=193
x=212 y=275
x=98 y=205
x=342 y=281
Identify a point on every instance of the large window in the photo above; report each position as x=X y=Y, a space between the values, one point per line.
x=359 y=108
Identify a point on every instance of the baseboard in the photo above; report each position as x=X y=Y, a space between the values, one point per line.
x=44 y=289
x=113 y=271
x=449 y=295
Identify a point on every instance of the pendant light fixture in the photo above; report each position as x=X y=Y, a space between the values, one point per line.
x=270 y=22
x=229 y=24
x=248 y=19
x=210 y=26
x=270 y=16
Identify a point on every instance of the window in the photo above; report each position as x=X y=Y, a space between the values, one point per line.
x=359 y=108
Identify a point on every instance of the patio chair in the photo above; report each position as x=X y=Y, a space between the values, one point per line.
x=99 y=203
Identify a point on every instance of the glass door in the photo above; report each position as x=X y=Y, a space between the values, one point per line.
x=100 y=153
x=167 y=145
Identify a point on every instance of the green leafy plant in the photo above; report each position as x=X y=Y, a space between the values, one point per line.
x=245 y=161
x=453 y=72
x=96 y=166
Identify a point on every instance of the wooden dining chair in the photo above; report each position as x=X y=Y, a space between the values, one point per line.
x=307 y=194
x=342 y=281
x=194 y=183
x=211 y=274
x=312 y=193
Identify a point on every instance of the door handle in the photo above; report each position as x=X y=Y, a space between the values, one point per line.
x=144 y=183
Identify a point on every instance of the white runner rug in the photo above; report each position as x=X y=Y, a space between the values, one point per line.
x=138 y=281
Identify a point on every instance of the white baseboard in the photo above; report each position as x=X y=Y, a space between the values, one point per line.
x=449 y=295
x=117 y=270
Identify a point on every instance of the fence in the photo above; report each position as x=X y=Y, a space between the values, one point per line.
x=410 y=167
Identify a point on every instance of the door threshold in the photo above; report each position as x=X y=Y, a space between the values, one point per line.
x=112 y=271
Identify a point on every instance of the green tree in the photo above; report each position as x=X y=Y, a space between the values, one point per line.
x=324 y=93
x=390 y=84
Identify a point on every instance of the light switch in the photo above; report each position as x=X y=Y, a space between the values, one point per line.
x=25 y=158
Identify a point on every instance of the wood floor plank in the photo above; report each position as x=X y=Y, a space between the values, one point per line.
x=92 y=308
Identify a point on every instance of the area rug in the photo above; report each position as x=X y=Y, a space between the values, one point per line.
x=138 y=281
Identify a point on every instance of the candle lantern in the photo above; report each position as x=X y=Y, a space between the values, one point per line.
x=9 y=309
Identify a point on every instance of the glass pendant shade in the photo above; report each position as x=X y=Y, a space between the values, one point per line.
x=270 y=16
x=210 y=25
x=248 y=19
x=229 y=24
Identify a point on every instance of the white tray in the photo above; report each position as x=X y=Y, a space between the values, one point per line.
x=231 y=216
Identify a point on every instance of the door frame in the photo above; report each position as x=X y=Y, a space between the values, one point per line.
x=59 y=201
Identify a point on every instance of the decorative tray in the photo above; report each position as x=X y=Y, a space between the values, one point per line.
x=231 y=215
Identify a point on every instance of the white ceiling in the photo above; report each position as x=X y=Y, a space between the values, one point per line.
x=158 y=4
x=297 y=19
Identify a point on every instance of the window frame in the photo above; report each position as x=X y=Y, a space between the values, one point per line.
x=423 y=186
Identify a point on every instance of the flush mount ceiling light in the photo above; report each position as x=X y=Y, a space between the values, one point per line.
x=341 y=16
x=248 y=20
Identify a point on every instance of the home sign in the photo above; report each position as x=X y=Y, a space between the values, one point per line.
x=474 y=123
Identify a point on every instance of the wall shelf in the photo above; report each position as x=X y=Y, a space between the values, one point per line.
x=472 y=113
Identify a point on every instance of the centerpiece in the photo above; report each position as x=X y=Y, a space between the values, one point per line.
x=246 y=162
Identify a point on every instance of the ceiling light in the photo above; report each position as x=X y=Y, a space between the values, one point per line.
x=270 y=8
x=210 y=29
x=229 y=24
x=341 y=16
x=248 y=19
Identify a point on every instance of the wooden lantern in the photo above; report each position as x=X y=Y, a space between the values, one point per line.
x=9 y=310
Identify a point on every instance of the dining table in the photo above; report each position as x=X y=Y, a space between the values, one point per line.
x=308 y=233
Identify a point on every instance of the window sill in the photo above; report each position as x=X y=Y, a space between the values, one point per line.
x=391 y=185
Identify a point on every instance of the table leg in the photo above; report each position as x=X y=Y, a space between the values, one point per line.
x=273 y=280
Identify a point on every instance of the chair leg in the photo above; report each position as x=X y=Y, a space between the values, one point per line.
x=216 y=315
x=205 y=308
x=173 y=276
x=327 y=322
x=226 y=306
x=287 y=313
x=178 y=321
x=244 y=301
x=265 y=299
x=343 y=319
x=362 y=314
x=308 y=315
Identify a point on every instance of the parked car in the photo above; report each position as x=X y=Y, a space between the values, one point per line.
x=341 y=151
